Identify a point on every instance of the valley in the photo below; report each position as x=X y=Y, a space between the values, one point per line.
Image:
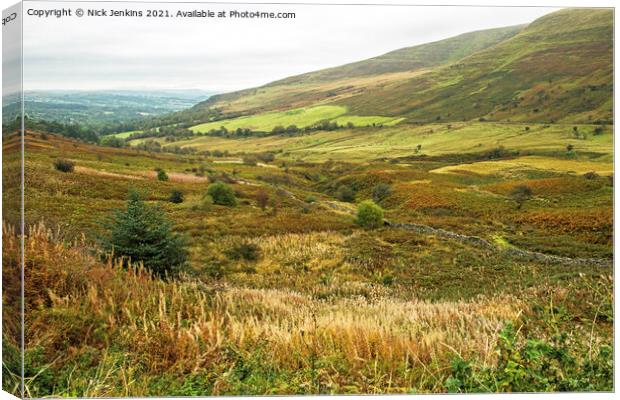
x=436 y=219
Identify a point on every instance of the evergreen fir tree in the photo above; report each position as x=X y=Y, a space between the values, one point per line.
x=144 y=234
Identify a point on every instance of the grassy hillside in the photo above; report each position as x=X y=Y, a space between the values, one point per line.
x=364 y=144
x=557 y=69
x=412 y=58
x=320 y=304
x=331 y=83
x=300 y=117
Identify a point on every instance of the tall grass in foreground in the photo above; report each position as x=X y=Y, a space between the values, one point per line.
x=97 y=329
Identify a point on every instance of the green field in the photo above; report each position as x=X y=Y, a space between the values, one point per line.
x=401 y=141
x=520 y=164
x=123 y=135
x=301 y=117
x=367 y=121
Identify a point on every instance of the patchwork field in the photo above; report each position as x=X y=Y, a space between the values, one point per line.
x=123 y=135
x=300 y=117
x=524 y=164
x=364 y=144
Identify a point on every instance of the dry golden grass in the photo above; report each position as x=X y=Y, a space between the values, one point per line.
x=368 y=329
x=511 y=167
x=184 y=326
x=294 y=247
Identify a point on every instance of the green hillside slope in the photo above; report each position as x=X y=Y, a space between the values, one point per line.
x=559 y=68
x=412 y=58
x=342 y=81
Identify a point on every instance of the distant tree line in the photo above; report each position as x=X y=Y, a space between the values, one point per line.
x=72 y=131
x=280 y=130
x=156 y=147
x=179 y=119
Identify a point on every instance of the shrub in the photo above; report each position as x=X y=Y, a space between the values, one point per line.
x=534 y=365
x=222 y=194
x=388 y=279
x=345 y=193
x=380 y=192
x=112 y=141
x=162 y=175
x=262 y=199
x=176 y=197
x=266 y=157
x=144 y=234
x=278 y=130
x=369 y=214
x=249 y=160
x=292 y=129
x=590 y=175
x=244 y=251
x=520 y=194
x=64 y=165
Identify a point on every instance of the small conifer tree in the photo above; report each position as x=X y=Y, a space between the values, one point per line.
x=143 y=234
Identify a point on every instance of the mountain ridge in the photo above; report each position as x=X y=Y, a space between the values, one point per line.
x=407 y=59
x=558 y=68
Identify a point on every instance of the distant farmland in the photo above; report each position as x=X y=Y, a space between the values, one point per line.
x=300 y=117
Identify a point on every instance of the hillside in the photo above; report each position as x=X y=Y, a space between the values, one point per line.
x=286 y=292
x=557 y=69
x=337 y=81
x=437 y=219
x=412 y=58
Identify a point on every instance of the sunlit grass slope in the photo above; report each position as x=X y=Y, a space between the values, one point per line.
x=301 y=117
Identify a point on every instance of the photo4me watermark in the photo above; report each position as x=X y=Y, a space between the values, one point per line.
x=157 y=13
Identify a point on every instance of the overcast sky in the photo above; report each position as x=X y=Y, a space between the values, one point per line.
x=229 y=54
